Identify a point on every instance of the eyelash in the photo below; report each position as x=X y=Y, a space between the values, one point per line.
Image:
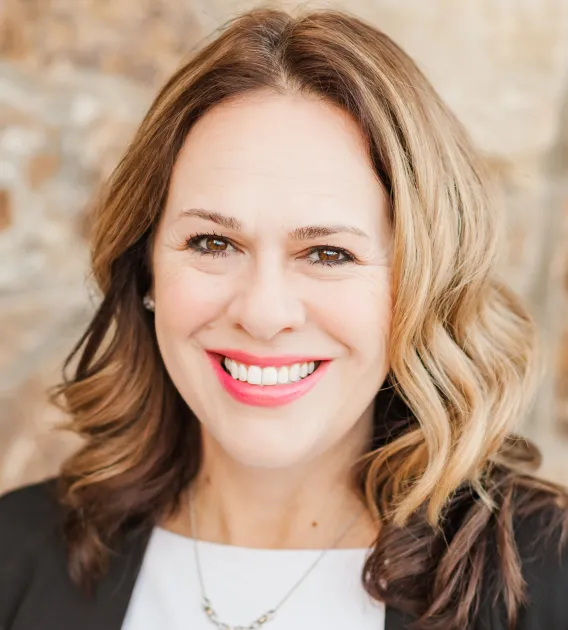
x=193 y=240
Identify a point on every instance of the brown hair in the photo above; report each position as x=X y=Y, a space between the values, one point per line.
x=442 y=477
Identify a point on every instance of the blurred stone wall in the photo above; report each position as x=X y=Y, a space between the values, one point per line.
x=77 y=75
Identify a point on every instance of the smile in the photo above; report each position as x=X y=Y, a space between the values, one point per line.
x=266 y=381
x=270 y=375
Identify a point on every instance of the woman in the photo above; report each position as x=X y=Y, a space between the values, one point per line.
x=299 y=392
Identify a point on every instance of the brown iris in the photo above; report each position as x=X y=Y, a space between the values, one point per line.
x=215 y=244
x=329 y=255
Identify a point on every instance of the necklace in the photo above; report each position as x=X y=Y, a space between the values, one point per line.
x=269 y=614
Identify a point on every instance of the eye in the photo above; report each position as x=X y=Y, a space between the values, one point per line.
x=209 y=244
x=329 y=256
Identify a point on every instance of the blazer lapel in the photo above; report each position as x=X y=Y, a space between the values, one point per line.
x=53 y=602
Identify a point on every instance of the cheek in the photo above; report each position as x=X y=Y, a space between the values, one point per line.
x=188 y=299
x=357 y=311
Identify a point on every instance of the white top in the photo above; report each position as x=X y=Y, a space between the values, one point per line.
x=244 y=583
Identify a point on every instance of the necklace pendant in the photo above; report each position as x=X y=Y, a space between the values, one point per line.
x=269 y=616
x=258 y=624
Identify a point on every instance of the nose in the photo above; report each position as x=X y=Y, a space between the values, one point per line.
x=266 y=304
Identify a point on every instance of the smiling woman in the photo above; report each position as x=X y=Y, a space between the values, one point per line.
x=300 y=390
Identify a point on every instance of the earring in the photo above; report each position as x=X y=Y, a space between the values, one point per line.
x=149 y=303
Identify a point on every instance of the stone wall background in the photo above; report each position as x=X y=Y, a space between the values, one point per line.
x=76 y=77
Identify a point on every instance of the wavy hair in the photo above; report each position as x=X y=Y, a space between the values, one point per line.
x=444 y=477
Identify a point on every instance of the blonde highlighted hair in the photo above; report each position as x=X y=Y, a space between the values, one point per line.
x=442 y=475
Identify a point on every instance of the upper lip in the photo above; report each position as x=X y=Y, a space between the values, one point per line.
x=265 y=361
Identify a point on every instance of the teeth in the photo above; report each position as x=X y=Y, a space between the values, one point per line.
x=234 y=370
x=242 y=371
x=256 y=375
x=269 y=376
x=294 y=373
x=283 y=375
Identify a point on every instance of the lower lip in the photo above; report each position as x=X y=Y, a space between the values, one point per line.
x=266 y=395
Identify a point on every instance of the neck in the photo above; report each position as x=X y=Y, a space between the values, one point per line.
x=305 y=506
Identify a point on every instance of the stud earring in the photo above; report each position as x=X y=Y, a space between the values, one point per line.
x=149 y=303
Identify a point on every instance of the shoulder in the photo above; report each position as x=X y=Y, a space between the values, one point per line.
x=530 y=551
x=28 y=518
x=518 y=548
x=27 y=513
x=542 y=546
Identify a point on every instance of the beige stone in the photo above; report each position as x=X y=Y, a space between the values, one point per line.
x=5 y=210
x=41 y=167
x=13 y=42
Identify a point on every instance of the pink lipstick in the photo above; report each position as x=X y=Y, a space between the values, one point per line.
x=266 y=395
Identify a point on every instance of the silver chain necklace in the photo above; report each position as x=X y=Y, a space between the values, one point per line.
x=269 y=614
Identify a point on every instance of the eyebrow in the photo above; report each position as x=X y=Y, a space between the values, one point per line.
x=299 y=234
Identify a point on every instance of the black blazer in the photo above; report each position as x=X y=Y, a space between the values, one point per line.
x=36 y=592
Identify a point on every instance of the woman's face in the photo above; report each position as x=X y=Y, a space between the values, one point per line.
x=272 y=279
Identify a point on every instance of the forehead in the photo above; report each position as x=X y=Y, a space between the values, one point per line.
x=285 y=153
